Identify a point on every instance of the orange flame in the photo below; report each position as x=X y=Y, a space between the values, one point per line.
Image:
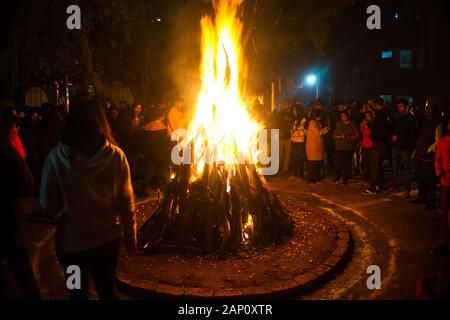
x=223 y=131
x=248 y=228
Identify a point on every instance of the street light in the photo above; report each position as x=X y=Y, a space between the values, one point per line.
x=312 y=80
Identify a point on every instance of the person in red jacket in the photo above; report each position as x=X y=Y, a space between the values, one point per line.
x=442 y=166
x=16 y=142
x=16 y=182
x=366 y=143
x=11 y=123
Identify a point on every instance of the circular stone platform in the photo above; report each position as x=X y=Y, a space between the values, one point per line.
x=318 y=247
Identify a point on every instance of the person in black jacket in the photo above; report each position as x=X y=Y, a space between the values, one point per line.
x=285 y=120
x=16 y=181
x=155 y=143
x=380 y=128
x=429 y=133
x=404 y=132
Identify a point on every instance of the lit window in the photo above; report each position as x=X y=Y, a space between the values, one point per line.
x=396 y=17
x=405 y=59
x=386 y=54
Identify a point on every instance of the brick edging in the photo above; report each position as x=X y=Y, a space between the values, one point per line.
x=301 y=284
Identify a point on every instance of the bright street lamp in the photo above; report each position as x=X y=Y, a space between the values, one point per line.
x=311 y=80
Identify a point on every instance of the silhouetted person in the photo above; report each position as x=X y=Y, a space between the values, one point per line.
x=345 y=136
x=130 y=122
x=429 y=133
x=284 y=122
x=31 y=135
x=442 y=166
x=366 y=144
x=16 y=181
x=86 y=184
x=380 y=129
x=404 y=133
x=334 y=117
x=315 y=146
x=298 y=142
x=155 y=143
x=113 y=118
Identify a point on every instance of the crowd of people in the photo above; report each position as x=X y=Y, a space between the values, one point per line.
x=106 y=155
x=88 y=164
x=360 y=140
x=140 y=131
x=137 y=130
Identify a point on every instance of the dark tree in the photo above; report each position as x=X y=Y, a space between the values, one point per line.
x=119 y=40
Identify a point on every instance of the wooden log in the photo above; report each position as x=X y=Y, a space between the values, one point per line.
x=207 y=216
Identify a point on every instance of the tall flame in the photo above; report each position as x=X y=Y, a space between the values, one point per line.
x=222 y=129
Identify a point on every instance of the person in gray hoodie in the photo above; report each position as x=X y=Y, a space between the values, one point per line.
x=86 y=185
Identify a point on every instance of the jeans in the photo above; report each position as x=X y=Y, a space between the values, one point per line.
x=400 y=156
x=101 y=262
x=331 y=151
x=365 y=162
x=344 y=165
x=298 y=159
x=376 y=166
x=314 y=171
x=427 y=181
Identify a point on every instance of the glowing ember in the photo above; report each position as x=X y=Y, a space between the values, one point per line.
x=248 y=228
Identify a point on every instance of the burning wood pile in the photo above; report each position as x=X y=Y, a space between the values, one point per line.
x=219 y=201
x=214 y=217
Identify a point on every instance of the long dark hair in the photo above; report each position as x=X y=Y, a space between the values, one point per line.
x=86 y=123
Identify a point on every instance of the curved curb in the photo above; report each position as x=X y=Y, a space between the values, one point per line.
x=299 y=285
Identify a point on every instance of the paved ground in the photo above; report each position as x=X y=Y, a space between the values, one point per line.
x=388 y=231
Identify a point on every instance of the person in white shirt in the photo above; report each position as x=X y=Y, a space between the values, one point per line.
x=298 y=142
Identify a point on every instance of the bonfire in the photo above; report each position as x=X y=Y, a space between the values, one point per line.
x=219 y=201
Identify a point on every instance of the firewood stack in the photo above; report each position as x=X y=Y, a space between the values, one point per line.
x=211 y=214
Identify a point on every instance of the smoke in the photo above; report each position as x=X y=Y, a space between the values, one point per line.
x=184 y=49
x=184 y=46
